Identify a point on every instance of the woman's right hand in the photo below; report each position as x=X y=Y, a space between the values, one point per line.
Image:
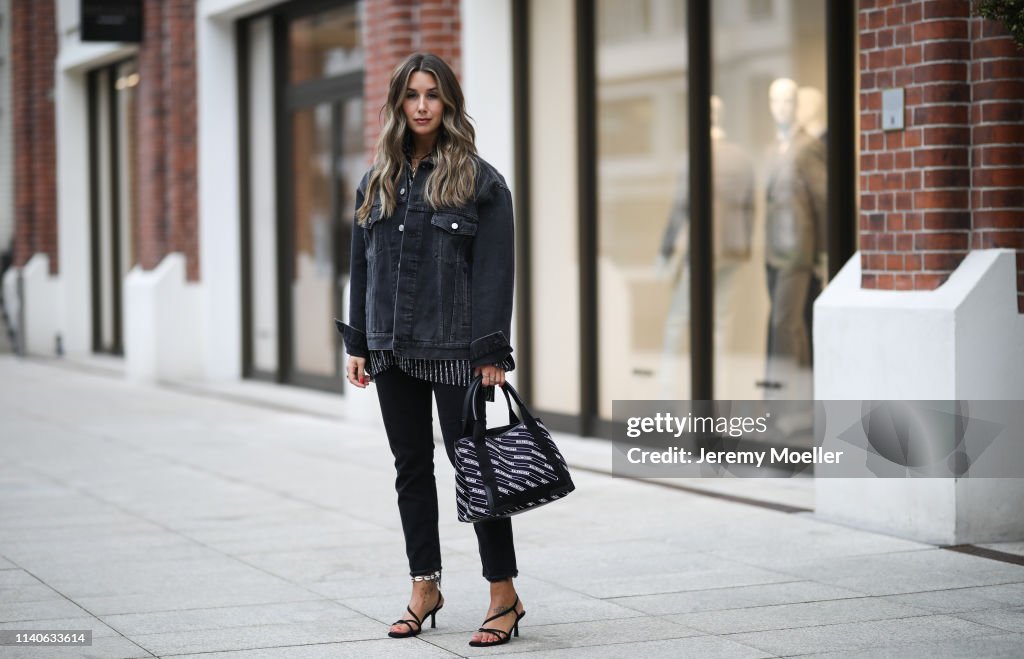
x=356 y=372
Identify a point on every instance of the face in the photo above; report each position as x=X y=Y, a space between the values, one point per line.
x=422 y=105
x=782 y=100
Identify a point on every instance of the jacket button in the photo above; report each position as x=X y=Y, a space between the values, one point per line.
x=401 y=227
x=455 y=225
x=402 y=191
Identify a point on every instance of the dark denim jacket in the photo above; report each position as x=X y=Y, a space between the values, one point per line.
x=434 y=284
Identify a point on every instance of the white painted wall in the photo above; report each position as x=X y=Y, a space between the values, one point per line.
x=487 y=79
x=225 y=11
x=218 y=188
x=41 y=312
x=989 y=358
x=963 y=340
x=990 y=365
x=73 y=230
x=162 y=323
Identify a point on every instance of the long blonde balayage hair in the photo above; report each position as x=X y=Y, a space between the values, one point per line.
x=452 y=183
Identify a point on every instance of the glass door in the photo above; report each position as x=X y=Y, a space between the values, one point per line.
x=327 y=162
x=323 y=140
x=112 y=145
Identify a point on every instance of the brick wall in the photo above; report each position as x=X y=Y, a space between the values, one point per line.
x=950 y=181
x=33 y=51
x=395 y=29
x=166 y=175
x=997 y=143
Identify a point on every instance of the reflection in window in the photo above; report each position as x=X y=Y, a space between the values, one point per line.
x=625 y=127
x=641 y=124
x=622 y=21
x=634 y=20
x=313 y=213
x=682 y=137
x=325 y=44
x=126 y=85
x=759 y=10
x=771 y=115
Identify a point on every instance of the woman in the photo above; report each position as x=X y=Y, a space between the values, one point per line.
x=430 y=308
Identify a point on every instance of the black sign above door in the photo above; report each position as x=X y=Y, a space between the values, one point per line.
x=111 y=20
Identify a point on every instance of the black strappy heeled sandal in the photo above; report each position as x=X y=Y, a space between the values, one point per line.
x=416 y=619
x=503 y=636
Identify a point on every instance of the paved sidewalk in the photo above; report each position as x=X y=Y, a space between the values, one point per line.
x=175 y=524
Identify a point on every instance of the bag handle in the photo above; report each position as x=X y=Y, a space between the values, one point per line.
x=476 y=424
x=469 y=405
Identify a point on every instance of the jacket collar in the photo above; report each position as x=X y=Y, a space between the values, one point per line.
x=407 y=152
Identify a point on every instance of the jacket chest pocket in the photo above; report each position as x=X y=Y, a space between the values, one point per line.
x=454 y=232
x=453 y=235
x=376 y=239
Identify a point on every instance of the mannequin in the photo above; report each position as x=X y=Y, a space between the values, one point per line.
x=733 y=216
x=810 y=111
x=795 y=224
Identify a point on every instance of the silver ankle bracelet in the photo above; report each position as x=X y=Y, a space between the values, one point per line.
x=435 y=576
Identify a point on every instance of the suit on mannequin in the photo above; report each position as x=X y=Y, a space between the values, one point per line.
x=732 y=226
x=795 y=226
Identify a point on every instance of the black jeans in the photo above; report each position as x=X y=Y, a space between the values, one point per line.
x=405 y=405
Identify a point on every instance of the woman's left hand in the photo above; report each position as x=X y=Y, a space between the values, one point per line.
x=492 y=375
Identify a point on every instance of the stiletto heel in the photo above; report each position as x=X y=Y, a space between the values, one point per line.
x=503 y=636
x=408 y=622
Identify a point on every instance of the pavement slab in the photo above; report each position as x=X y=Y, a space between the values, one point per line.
x=671 y=648
x=1012 y=620
x=857 y=635
x=392 y=648
x=905 y=572
x=791 y=616
x=952 y=600
x=736 y=597
x=1004 y=646
x=585 y=634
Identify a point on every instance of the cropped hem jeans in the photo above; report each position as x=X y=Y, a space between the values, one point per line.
x=407 y=412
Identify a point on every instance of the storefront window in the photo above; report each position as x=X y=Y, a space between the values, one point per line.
x=642 y=151
x=768 y=148
x=762 y=66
